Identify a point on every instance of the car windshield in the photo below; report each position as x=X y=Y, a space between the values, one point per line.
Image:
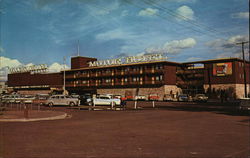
x=200 y=95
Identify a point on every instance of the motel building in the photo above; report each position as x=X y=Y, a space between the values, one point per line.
x=137 y=75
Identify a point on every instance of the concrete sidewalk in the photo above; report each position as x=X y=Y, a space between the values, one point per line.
x=33 y=115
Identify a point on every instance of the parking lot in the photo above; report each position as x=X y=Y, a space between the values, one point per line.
x=171 y=129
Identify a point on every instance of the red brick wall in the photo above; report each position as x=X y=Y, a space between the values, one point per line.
x=80 y=62
x=170 y=74
x=27 y=79
x=236 y=77
x=239 y=69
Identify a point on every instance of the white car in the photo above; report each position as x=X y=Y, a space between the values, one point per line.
x=141 y=97
x=105 y=100
x=62 y=100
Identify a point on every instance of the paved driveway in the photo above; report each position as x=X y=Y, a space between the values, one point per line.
x=169 y=131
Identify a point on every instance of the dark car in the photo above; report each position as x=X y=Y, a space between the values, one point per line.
x=183 y=97
x=200 y=98
x=85 y=98
x=244 y=104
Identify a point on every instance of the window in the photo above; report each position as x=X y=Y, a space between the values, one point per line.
x=136 y=79
x=159 y=78
x=126 y=69
x=108 y=71
x=84 y=81
x=108 y=80
x=125 y=79
x=158 y=67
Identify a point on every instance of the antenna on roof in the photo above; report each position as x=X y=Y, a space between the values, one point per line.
x=78 y=49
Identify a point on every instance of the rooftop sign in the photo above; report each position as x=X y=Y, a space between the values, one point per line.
x=33 y=68
x=128 y=60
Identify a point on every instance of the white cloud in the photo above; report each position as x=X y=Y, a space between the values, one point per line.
x=124 y=13
x=1 y=50
x=185 y=13
x=241 y=15
x=229 y=43
x=193 y=59
x=115 y=34
x=7 y=62
x=228 y=47
x=173 y=47
x=56 y=67
x=104 y=10
x=191 y=1
x=148 y=12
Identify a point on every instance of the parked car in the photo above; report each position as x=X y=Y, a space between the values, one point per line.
x=153 y=97
x=12 y=98
x=200 y=98
x=86 y=98
x=5 y=98
x=27 y=99
x=62 y=100
x=244 y=104
x=129 y=97
x=104 y=100
x=167 y=97
x=140 y=97
x=40 y=99
x=183 y=97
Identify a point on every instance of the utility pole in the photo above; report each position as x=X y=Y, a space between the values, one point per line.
x=244 y=65
x=64 y=90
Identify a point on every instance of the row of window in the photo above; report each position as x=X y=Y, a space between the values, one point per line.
x=127 y=69
x=124 y=80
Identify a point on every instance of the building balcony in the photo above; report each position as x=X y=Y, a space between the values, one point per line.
x=69 y=76
x=107 y=74
x=121 y=73
x=153 y=71
x=84 y=75
x=154 y=82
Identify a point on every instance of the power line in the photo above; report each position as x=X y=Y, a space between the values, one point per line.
x=182 y=17
x=173 y=15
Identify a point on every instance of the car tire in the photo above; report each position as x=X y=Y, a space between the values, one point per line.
x=71 y=104
x=50 y=104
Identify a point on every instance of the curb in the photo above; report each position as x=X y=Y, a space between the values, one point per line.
x=35 y=119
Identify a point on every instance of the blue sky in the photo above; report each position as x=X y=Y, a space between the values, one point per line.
x=44 y=31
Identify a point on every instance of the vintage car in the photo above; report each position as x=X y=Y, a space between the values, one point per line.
x=104 y=100
x=183 y=97
x=153 y=97
x=140 y=97
x=200 y=98
x=244 y=104
x=167 y=97
x=40 y=99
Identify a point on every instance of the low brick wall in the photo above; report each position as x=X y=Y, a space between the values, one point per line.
x=235 y=91
x=166 y=89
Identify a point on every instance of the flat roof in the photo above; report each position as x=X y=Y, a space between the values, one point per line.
x=215 y=60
